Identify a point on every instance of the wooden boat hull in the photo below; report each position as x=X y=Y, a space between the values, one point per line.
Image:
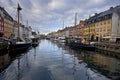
x=35 y=42
x=82 y=46
x=3 y=49
x=3 y=45
x=19 y=47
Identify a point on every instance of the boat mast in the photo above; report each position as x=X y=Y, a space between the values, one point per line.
x=75 y=18
x=27 y=27
x=75 y=24
x=89 y=32
x=18 y=10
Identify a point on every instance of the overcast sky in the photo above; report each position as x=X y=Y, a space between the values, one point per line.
x=46 y=16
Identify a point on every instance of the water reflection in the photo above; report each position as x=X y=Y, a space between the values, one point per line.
x=55 y=61
x=96 y=63
x=110 y=67
x=4 y=61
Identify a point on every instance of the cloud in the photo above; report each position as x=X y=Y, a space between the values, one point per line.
x=56 y=4
x=48 y=15
x=96 y=1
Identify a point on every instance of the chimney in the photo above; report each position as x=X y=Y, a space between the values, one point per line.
x=95 y=14
x=111 y=8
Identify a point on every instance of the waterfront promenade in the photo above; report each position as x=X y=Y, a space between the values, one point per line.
x=108 y=46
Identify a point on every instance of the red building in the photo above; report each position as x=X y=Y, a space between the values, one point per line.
x=80 y=29
x=1 y=23
x=71 y=31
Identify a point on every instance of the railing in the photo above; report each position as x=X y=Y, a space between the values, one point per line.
x=108 y=46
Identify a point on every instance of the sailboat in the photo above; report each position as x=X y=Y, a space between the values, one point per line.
x=19 y=44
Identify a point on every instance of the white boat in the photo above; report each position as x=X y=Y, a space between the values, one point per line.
x=61 y=39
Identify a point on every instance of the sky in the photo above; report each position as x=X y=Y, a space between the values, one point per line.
x=47 y=16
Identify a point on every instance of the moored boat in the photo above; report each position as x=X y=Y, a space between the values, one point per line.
x=61 y=39
x=19 y=44
x=3 y=44
x=79 y=44
x=35 y=42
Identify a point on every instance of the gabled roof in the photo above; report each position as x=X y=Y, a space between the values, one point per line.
x=6 y=15
x=103 y=15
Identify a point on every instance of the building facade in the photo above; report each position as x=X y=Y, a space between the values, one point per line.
x=66 y=32
x=7 y=23
x=80 y=29
x=104 y=24
x=97 y=27
x=28 y=32
x=1 y=23
x=116 y=22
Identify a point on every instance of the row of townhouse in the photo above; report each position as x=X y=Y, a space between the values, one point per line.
x=8 y=26
x=104 y=24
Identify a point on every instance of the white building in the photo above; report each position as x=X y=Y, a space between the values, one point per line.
x=116 y=22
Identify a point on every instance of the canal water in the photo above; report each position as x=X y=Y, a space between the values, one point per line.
x=55 y=61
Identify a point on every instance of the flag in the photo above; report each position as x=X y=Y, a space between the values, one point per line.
x=19 y=8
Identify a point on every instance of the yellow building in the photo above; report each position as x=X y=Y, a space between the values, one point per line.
x=103 y=25
x=96 y=30
x=103 y=28
x=62 y=33
x=89 y=28
x=86 y=31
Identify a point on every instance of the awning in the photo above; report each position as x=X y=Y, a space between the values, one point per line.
x=32 y=37
x=108 y=37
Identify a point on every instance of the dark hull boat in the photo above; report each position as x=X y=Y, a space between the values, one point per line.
x=3 y=45
x=35 y=42
x=82 y=46
x=3 y=48
x=19 y=47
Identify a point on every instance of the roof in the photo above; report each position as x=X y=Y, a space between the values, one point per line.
x=6 y=15
x=103 y=15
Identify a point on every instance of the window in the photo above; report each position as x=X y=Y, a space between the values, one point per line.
x=97 y=30
x=100 y=29
x=96 y=25
x=108 y=28
x=104 y=28
x=104 y=23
